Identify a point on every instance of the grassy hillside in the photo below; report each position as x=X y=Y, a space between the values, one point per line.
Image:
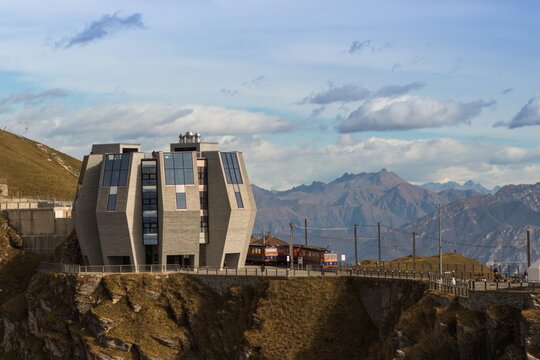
x=33 y=169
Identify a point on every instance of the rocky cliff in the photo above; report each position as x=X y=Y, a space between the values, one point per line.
x=175 y=316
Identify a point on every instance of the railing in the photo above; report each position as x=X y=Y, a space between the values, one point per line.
x=241 y=271
x=450 y=284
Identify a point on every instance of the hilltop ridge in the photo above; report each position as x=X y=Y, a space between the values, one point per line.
x=34 y=169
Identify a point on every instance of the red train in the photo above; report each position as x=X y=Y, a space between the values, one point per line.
x=303 y=256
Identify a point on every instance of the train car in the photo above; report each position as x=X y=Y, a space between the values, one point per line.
x=262 y=254
x=330 y=260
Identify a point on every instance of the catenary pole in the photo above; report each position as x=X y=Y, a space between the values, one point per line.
x=528 y=248
x=291 y=245
x=379 y=239
x=305 y=231
x=414 y=250
x=355 y=245
x=440 y=242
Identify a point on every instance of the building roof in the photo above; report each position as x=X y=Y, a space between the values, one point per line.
x=268 y=240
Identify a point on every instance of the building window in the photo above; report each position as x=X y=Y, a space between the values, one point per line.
x=203 y=175
x=231 y=167
x=111 y=203
x=178 y=168
x=239 y=201
x=116 y=169
x=149 y=202
x=181 y=200
x=204 y=223
x=203 y=196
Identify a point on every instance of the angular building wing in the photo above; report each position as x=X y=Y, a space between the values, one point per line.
x=192 y=205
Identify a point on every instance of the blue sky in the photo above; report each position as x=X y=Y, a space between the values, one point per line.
x=308 y=90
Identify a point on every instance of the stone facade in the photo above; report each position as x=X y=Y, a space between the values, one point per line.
x=192 y=205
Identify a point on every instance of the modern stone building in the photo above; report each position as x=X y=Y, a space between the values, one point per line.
x=190 y=206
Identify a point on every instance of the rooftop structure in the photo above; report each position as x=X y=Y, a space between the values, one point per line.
x=192 y=205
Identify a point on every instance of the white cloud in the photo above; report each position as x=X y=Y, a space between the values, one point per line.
x=417 y=161
x=409 y=112
x=153 y=124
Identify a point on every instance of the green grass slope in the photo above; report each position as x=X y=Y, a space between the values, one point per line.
x=34 y=169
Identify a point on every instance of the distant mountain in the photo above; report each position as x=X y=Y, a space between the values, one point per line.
x=364 y=198
x=452 y=185
x=34 y=169
x=490 y=228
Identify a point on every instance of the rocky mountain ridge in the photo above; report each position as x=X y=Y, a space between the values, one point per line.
x=491 y=228
x=364 y=198
x=452 y=185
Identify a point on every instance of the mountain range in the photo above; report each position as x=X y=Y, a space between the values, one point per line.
x=365 y=198
x=490 y=227
x=452 y=185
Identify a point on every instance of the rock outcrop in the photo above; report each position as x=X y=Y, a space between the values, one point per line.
x=176 y=316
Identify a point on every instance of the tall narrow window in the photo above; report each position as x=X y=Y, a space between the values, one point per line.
x=116 y=169
x=149 y=201
x=111 y=203
x=179 y=172
x=239 y=201
x=231 y=167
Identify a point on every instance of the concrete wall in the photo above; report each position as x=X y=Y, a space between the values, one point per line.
x=179 y=229
x=31 y=222
x=84 y=214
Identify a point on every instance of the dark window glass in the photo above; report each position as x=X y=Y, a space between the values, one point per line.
x=125 y=163
x=180 y=200
x=109 y=160
x=239 y=201
x=116 y=170
x=238 y=176
x=179 y=176
x=203 y=196
x=122 y=181
x=107 y=178
x=188 y=176
x=169 y=162
x=231 y=168
x=178 y=161
x=114 y=178
x=188 y=160
x=111 y=204
x=179 y=168
x=201 y=170
x=204 y=223
x=117 y=162
x=169 y=176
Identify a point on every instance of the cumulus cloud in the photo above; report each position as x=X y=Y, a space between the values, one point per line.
x=409 y=112
x=154 y=124
x=529 y=115
x=344 y=93
x=104 y=27
x=418 y=161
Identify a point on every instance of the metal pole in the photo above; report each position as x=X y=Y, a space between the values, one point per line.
x=440 y=247
x=379 y=239
x=414 y=250
x=305 y=231
x=355 y=246
x=528 y=248
x=291 y=245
